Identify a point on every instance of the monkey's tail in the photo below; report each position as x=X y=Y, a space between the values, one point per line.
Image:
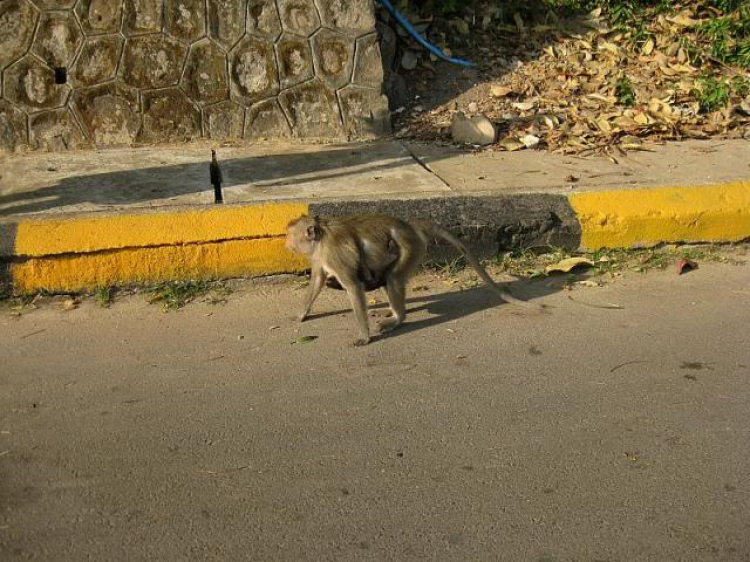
x=431 y=229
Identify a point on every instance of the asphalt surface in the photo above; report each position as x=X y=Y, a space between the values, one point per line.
x=477 y=432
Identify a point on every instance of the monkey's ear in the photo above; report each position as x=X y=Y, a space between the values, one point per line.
x=313 y=232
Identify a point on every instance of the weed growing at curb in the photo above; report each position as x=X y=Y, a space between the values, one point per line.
x=174 y=295
x=447 y=267
x=523 y=264
x=613 y=262
x=218 y=294
x=104 y=296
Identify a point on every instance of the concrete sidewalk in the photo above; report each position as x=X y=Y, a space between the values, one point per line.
x=72 y=221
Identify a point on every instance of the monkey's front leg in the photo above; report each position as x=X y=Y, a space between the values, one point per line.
x=317 y=281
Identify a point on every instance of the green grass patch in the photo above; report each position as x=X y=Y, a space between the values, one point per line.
x=447 y=267
x=104 y=296
x=712 y=94
x=625 y=92
x=174 y=295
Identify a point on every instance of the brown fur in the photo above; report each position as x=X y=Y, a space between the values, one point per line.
x=362 y=252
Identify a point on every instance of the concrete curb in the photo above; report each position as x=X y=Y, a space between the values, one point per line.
x=82 y=252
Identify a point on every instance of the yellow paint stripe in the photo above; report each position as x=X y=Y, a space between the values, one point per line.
x=645 y=217
x=76 y=235
x=233 y=258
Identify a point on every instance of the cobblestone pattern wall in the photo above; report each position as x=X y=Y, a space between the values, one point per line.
x=79 y=73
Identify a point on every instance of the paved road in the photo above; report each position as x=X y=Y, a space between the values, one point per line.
x=475 y=433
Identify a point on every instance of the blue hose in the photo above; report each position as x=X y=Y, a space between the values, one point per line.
x=421 y=40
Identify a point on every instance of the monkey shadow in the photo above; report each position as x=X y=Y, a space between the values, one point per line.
x=453 y=305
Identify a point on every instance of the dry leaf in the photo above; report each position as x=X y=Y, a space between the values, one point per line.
x=683 y=266
x=572 y=87
x=683 y=20
x=511 y=144
x=305 y=339
x=603 y=125
x=567 y=265
x=611 y=47
x=523 y=106
x=69 y=304
x=500 y=91
x=601 y=97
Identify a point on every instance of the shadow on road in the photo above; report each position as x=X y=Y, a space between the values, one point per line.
x=452 y=305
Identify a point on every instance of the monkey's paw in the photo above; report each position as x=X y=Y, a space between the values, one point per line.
x=389 y=324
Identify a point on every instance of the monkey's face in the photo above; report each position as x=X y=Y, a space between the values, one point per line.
x=300 y=237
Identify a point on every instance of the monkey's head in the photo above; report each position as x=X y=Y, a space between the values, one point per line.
x=303 y=234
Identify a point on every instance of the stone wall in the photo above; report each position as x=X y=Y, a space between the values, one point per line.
x=79 y=73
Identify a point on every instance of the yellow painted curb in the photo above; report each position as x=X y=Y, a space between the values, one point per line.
x=645 y=217
x=215 y=260
x=87 y=252
x=92 y=234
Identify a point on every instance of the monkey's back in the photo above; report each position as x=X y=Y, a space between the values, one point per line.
x=374 y=229
x=376 y=243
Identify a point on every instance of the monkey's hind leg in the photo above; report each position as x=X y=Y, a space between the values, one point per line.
x=411 y=254
x=397 y=300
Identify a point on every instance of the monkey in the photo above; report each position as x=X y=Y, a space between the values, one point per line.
x=363 y=252
x=371 y=280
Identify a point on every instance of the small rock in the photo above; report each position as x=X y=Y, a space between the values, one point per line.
x=409 y=60
x=473 y=107
x=530 y=141
x=478 y=130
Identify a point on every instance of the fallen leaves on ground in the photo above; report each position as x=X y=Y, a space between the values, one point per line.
x=305 y=339
x=581 y=86
x=567 y=265
x=683 y=266
x=69 y=304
